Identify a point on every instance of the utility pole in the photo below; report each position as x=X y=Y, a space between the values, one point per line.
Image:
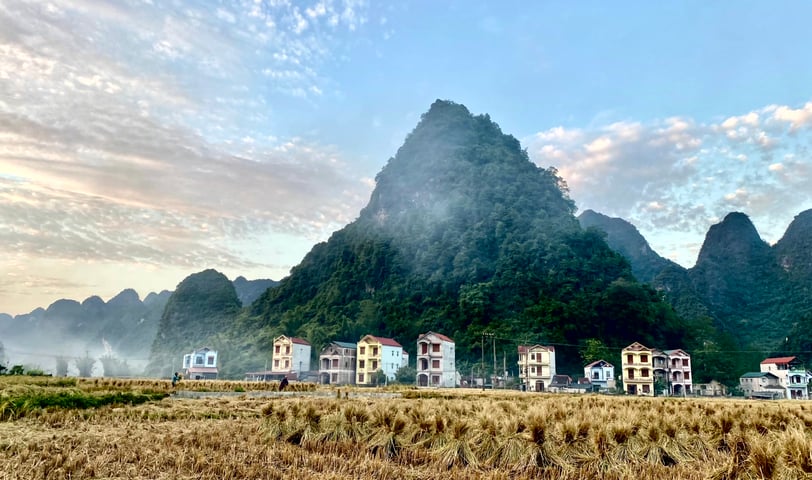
x=482 y=360
x=495 y=377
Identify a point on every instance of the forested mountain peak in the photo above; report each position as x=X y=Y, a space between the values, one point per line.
x=734 y=239
x=794 y=250
x=463 y=234
x=624 y=238
x=203 y=305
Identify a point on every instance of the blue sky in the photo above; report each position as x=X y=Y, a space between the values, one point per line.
x=142 y=141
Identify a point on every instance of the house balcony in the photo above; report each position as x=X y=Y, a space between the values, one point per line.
x=797 y=381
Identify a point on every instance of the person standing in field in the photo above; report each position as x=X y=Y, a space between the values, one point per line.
x=175 y=379
x=283 y=383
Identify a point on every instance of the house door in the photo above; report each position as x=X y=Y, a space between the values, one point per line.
x=539 y=386
x=632 y=389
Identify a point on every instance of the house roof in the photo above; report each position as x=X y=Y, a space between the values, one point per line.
x=778 y=360
x=676 y=351
x=345 y=344
x=637 y=347
x=758 y=375
x=438 y=335
x=300 y=341
x=599 y=363
x=525 y=348
x=560 y=380
x=389 y=342
x=202 y=350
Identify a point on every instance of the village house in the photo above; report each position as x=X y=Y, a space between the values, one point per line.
x=436 y=360
x=337 y=364
x=791 y=375
x=637 y=364
x=201 y=364
x=377 y=353
x=290 y=355
x=714 y=388
x=764 y=385
x=677 y=372
x=601 y=374
x=536 y=366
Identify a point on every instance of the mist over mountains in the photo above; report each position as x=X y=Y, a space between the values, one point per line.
x=125 y=327
x=464 y=235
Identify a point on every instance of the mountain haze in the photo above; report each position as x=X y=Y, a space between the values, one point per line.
x=463 y=234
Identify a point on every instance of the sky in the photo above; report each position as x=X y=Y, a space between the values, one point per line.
x=142 y=141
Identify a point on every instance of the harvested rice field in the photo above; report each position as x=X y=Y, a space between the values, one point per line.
x=54 y=429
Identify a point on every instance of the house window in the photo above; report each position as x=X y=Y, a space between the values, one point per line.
x=360 y=378
x=335 y=363
x=646 y=389
x=186 y=360
x=199 y=360
x=287 y=349
x=630 y=374
x=684 y=362
x=643 y=358
x=532 y=369
x=276 y=363
x=362 y=364
x=435 y=363
x=334 y=378
x=210 y=360
x=363 y=350
x=287 y=363
x=687 y=375
x=276 y=349
x=435 y=347
x=629 y=358
x=644 y=373
x=533 y=357
x=424 y=348
x=374 y=351
x=435 y=379
x=596 y=375
x=374 y=364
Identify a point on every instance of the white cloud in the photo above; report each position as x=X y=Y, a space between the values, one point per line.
x=675 y=176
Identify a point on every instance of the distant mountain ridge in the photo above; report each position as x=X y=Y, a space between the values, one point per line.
x=625 y=239
x=753 y=291
x=127 y=324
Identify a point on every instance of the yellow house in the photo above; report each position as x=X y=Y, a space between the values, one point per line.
x=377 y=353
x=637 y=362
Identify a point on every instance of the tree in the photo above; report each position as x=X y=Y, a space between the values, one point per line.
x=379 y=378
x=593 y=349
x=16 y=370
x=114 y=367
x=406 y=375
x=61 y=366
x=85 y=365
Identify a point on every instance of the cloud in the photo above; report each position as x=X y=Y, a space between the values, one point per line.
x=675 y=176
x=124 y=134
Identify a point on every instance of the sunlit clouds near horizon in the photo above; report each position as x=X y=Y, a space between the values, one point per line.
x=142 y=141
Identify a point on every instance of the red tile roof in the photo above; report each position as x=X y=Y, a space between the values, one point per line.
x=438 y=335
x=777 y=360
x=388 y=342
x=300 y=341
